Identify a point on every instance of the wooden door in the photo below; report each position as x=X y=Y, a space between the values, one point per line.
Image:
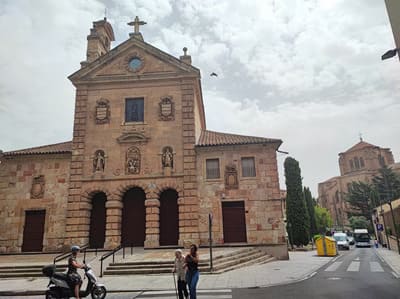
x=234 y=222
x=133 y=218
x=97 y=232
x=33 y=231
x=169 y=218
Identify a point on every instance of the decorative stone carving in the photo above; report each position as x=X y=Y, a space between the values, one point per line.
x=133 y=161
x=167 y=109
x=99 y=161
x=231 y=177
x=37 y=190
x=102 y=112
x=167 y=158
x=133 y=137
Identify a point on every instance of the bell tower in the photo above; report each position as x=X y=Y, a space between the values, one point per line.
x=99 y=41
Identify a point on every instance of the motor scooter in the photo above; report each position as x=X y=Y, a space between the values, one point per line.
x=59 y=286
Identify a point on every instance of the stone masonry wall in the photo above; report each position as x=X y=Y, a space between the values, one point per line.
x=16 y=177
x=261 y=194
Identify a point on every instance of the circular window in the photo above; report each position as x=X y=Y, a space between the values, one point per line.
x=135 y=63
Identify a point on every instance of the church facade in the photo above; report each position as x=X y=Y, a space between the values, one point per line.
x=360 y=163
x=142 y=169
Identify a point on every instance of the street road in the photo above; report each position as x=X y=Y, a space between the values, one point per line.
x=358 y=273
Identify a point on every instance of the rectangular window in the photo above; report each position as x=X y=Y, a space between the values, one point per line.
x=212 y=168
x=134 y=110
x=248 y=167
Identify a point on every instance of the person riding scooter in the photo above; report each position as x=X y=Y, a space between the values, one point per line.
x=73 y=266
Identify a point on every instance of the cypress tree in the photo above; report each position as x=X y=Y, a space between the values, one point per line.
x=310 y=202
x=296 y=211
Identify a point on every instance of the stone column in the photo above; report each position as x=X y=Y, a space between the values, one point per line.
x=152 y=223
x=113 y=223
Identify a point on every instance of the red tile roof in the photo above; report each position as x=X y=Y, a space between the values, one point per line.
x=359 y=146
x=210 y=138
x=57 y=148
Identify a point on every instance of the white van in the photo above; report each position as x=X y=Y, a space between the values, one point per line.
x=362 y=238
x=341 y=241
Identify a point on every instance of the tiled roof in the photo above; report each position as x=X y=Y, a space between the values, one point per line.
x=210 y=138
x=359 y=146
x=57 y=148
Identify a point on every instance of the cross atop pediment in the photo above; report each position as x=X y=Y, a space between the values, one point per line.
x=136 y=23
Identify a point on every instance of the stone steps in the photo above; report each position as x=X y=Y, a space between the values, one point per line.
x=221 y=263
x=19 y=271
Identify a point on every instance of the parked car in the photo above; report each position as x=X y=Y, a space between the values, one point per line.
x=342 y=241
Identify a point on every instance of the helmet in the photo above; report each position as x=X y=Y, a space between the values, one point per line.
x=75 y=248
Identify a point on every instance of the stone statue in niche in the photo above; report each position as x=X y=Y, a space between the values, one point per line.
x=231 y=177
x=99 y=161
x=167 y=111
x=37 y=190
x=133 y=161
x=102 y=111
x=167 y=157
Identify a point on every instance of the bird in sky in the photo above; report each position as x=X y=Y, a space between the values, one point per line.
x=213 y=74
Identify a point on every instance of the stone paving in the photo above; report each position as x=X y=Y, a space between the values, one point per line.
x=392 y=258
x=299 y=266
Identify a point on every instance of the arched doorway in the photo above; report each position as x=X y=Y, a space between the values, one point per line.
x=169 y=218
x=97 y=232
x=133 y=218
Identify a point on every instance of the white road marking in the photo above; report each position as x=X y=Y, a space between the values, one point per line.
x=201 y=294
x=354 y=267
x=357 y=259
x=375 y=267
x=333 y=267
x=395 y=274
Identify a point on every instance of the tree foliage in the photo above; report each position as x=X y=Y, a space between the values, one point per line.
x=296 y=211
x=387 y=184
x=323 y=219
x=311 y=203
x=359 y=222
x=362 y=197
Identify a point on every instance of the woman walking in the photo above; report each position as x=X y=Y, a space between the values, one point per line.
x=179 y=269
x=192 y=273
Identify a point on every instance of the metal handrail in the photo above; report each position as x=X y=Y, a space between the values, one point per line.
x=64 y=255
x=108 y=254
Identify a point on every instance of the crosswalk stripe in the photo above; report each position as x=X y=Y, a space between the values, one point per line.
x=375 y=267
x=354 y=267
x=201 y=294
x=333 y=267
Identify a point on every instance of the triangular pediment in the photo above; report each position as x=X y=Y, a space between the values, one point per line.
x=115 y=65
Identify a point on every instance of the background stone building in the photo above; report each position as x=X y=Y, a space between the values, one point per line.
x=141 y=169
x=358 y=164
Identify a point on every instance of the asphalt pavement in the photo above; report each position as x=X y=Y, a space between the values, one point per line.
x=358 y=273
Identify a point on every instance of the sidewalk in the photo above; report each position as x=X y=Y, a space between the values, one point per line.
x=392 y=258
x=298 y=267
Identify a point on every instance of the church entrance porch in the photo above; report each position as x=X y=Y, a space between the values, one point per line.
x=33 y=231
x=133 y=218
x=98 y=221
x=234 y=222
x=169 y=218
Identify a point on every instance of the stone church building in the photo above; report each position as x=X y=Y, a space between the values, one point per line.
x=360 y=163
x=142 y=169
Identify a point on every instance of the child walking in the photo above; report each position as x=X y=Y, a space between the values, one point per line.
x=179 y=269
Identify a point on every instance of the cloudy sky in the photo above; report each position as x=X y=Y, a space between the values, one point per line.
x=306 y=71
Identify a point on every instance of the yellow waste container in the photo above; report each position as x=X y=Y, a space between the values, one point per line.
x=326 y=246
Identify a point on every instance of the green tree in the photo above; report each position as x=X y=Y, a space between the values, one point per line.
x=359 y=222
x=362 y=198
x=296 y=211
x=387 y=184
x=323 y=219
x=310 y=202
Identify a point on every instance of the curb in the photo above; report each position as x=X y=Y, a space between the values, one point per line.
x=395 y=273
